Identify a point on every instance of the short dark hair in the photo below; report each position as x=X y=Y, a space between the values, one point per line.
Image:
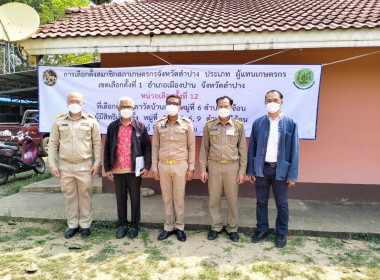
x=276 y=91
x=224 y=97
x=175 y=96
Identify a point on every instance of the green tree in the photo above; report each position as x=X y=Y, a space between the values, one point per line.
x=52 y=10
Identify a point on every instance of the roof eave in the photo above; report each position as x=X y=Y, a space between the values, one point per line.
x=364 y=37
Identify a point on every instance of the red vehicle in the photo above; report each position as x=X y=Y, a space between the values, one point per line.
x=29 y=123
x=11 y=162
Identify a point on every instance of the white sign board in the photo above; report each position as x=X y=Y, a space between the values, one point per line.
x=198 y=85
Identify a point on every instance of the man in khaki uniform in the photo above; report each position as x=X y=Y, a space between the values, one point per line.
x=173 y=158
x=224 y=152
x=74 y=138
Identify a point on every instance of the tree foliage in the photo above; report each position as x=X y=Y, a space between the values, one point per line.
x=52 y=10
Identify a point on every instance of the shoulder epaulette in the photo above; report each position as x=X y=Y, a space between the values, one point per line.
x=210 y=120
x=240 y=122
x=161 y=119
x=91 y=116
x=60 y=115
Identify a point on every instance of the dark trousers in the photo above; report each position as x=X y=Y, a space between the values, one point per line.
x=280 y=191
x=124 y=184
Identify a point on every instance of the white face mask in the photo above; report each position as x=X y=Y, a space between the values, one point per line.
x=126 y=113
x=224 y=112
x=273 y=107
x=74 y=108
x=172 y=110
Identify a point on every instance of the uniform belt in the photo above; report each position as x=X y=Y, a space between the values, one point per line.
x=171 y=161
x=271 y=164
x=75 y=161
x=223 y=161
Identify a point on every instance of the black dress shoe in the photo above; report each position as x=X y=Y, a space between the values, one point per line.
x=165 y=234
x=234 y=236
x=133 y=232
x=121 y=232
x=85 y=232
x=212 y=234
x=181 y=236
x=259 y=236
x=71 y=232
x=281 y=240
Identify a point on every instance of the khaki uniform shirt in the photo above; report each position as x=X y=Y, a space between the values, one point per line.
x=75 y=140
x=224 y=142
x=173 y=142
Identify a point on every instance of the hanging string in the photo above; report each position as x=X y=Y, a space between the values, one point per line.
x=160 y=58
x=350 y=58
x=266 y=56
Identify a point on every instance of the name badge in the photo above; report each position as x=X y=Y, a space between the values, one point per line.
x=230 y=131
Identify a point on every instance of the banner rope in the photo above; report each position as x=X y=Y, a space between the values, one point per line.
x=266 y=56
x=350 y=58
x=161 y=58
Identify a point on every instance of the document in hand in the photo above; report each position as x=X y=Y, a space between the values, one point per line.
x=139 y=165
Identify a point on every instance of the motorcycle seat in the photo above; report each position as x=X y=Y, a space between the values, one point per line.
x=9 y=146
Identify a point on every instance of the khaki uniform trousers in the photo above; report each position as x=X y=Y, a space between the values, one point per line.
x=222 y=177
x=76 y=186
x=172 y=182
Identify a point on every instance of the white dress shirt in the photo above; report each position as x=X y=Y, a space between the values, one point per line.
x=273 y=139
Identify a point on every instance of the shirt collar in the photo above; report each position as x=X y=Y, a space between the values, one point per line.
x=132 y=123
x=82 y=115
x=280 y=116
x=218 y=120
x=178 y=120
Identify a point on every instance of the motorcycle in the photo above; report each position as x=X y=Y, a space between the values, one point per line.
x=11 y=162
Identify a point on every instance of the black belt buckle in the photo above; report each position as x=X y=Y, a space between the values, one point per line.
x=271 y=164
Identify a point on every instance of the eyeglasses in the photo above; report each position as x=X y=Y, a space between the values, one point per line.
x=125 y=107
x=172 y=103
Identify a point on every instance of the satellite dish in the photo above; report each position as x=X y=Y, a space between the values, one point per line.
x=17 y=22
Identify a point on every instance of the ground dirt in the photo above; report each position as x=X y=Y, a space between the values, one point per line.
x=102 y=256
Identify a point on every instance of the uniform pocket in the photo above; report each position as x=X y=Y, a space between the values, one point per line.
x=84 y=132
x=64 y=132
x=214 y=136
x=233 y=139
x=163 y=132
x=180 y=134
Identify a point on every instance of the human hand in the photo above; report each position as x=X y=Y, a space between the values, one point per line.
x=156 y=175
x=55 y=172
x=204 y=177
x=240 y=179
x=252 y=178
x=189 y=175
x=144 y=172
x=109 y=175
x=93 y=171
x=291 y=183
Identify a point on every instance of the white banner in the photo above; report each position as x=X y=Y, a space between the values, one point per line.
x=198 y=85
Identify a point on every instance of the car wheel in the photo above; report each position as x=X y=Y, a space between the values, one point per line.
x=3 y=179
x=40 y=168
x=44 y=146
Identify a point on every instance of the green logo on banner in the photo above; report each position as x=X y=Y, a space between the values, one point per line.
x=304 y=78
